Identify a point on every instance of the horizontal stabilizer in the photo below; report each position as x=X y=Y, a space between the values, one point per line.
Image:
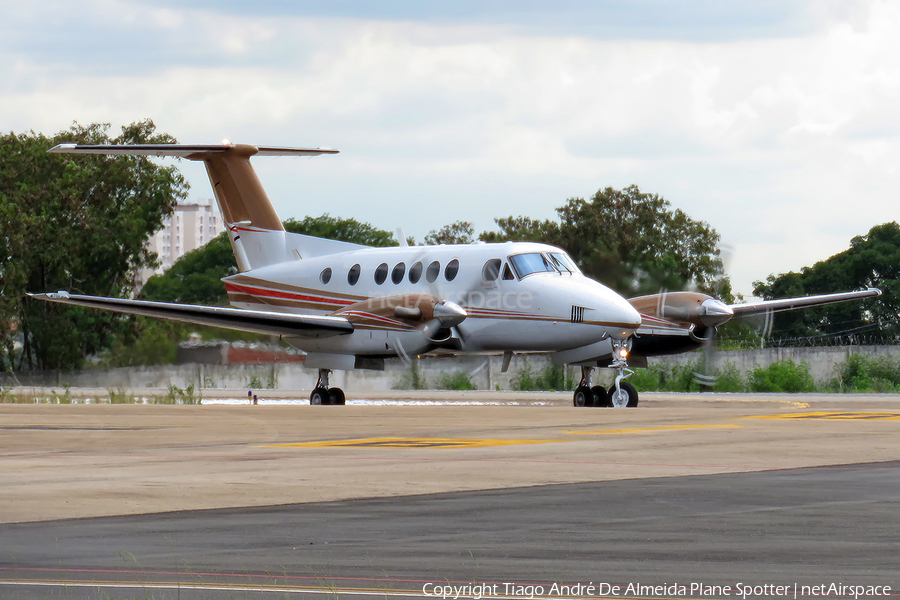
x=746 y=310
x=192 y=152
x=254 y=321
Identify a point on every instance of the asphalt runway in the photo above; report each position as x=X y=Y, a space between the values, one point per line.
x=781 y=499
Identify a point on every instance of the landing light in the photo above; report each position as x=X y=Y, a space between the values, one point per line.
x=623 y=352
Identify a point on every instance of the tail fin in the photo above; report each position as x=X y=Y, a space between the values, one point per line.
x=241 y=197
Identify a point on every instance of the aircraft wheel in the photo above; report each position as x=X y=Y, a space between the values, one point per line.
x=583 y=396
x=626 y=397
x=337 y=396
x=601 y=397
x=319 y=397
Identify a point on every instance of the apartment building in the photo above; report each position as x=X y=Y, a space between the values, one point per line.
x=192 y=225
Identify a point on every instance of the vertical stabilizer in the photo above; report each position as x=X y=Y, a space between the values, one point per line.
x=238 y=191
x=257 y=236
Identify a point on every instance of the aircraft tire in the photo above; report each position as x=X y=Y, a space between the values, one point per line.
x=631 y=396
x=319 y=397
x=337 y=396
x=601 y=396
x=583 y=396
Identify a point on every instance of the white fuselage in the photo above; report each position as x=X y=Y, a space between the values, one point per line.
x=551 y=308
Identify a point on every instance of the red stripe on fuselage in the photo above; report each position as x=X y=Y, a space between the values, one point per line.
x=262 y=292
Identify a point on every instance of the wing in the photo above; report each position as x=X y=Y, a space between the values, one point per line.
x=746 y=310
x=254 y=321
x=658 y=336
x=191 y=152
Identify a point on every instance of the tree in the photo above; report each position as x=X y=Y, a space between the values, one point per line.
x=344 y=230
x=873 y=260
x=632 y=241
x=636 y=243
x=523 y=229
x=459 y=232
x=77 y=224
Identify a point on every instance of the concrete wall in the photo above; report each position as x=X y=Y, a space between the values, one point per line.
x=822 y=360
x=483 y=371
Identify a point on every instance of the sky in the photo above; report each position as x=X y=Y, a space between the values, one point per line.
x=775 y=121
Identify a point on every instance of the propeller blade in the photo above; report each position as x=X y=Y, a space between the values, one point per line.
x=706 y=376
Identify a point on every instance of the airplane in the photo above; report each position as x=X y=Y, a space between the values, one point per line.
x=350 y=306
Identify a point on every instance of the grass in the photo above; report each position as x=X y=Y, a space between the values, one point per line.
x=174 y=395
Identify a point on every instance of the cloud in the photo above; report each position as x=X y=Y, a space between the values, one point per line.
x=775 y=122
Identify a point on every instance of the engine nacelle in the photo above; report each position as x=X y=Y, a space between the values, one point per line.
x=686 y=308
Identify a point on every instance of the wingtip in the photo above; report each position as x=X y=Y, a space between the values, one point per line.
x=62 y=148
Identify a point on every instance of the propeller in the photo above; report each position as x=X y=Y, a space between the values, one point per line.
x=712 y=314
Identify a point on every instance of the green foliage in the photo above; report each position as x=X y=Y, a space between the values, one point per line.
x=344 y=230
x=550 y=378
x=523 y=229
x=862 y=373
x=77 y=224
x=664 y=378
x=176 y=395
x=460 y=232
x=145 y=342
x=412 y=379
x=729 y=379
x=636 y=243
x=873 y=260
x=455 y=380
x=632 y=241
x=785 y=376
x=682 y=378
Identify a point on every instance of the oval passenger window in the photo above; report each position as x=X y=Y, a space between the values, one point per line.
x=433 y=271
x=451 y=270
x=415 y=273
x=398 y=272
x=353 y=275
x=381 y=273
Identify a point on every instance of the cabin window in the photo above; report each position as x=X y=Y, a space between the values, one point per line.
x=325 y=276
x=398 y=272
x=381 y=273
x=353 y=275
x=434 y=269
x=507 y=273
x=563 y=262
x=415 y=272
x=491 y=270
x=534 y=262
x=451 y=270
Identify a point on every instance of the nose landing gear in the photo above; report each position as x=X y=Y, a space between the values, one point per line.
x=620 y=395
x=323 y=395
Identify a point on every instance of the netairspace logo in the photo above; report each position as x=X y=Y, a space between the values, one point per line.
x=744 y=591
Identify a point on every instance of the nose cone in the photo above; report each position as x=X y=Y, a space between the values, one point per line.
x=715 y=312
x=449 y=313
x=627 y=318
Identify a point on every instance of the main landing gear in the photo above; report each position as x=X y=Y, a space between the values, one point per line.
x=621 y=394
x=323 y=395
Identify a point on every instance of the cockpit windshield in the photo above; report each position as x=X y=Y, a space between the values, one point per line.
x=526 y=264
x=563 y=262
